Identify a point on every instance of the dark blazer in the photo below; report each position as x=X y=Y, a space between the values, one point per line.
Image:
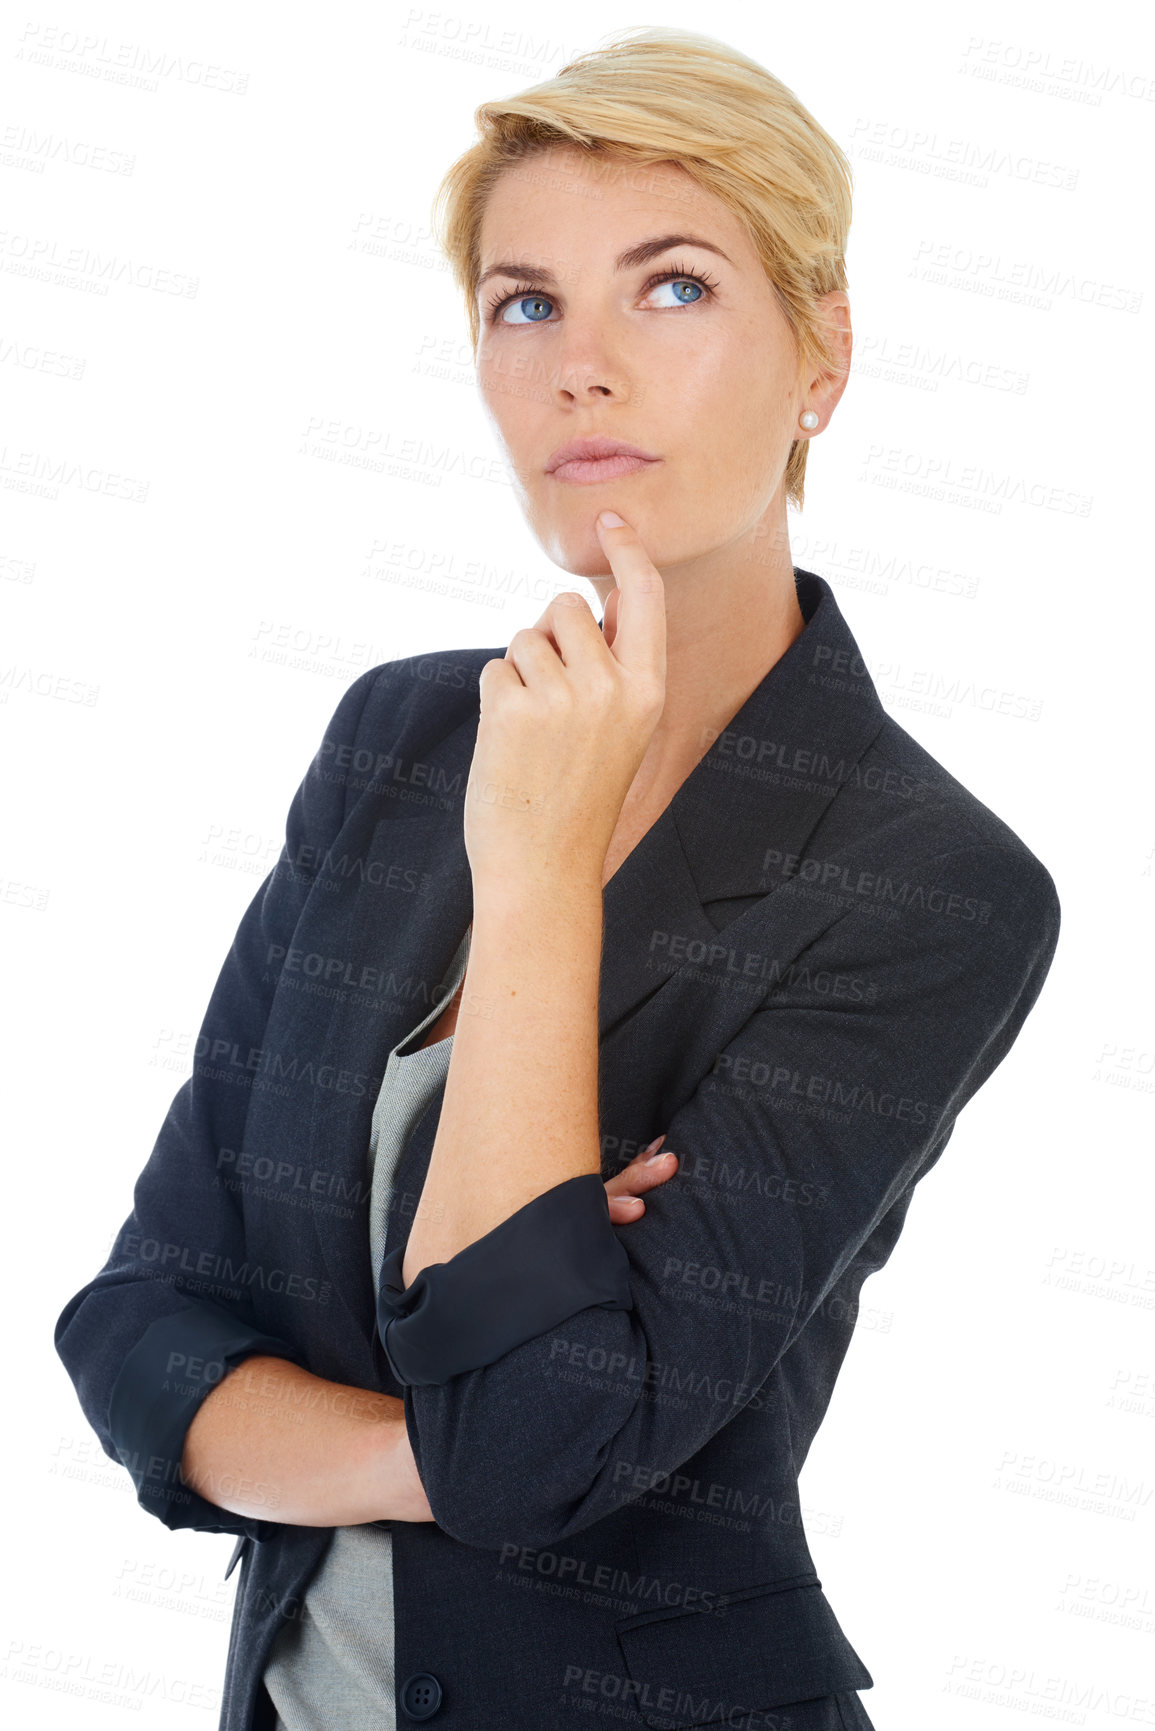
x=815 y=957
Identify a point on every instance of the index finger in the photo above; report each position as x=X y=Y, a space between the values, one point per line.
x=640 y=636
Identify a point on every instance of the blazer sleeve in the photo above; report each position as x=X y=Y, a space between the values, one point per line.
x=141 y=1344
x=831 y=1105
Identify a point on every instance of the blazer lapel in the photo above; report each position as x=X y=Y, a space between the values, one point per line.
x=767 y=780
x=748 y=807
x=724 y=841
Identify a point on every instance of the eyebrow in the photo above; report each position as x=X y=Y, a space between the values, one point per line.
x=628 y=260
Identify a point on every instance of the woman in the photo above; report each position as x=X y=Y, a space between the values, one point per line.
x=492 y=1458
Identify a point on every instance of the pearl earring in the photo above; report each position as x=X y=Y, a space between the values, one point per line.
x=809 y=419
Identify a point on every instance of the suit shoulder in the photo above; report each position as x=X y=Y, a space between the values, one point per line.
x=946 y=818
x=437 y=683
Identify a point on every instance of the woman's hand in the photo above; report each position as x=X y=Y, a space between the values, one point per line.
x=626 y=1188
x=566 y=718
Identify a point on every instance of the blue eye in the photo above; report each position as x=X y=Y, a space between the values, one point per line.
x=689 y=290
x=531 y=299
x=680 y=283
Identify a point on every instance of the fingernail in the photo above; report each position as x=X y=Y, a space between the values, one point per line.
x=654 y=1157
x=611 y=520
x=656 y=1143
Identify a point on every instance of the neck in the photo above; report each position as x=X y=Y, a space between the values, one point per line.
x=729 y=617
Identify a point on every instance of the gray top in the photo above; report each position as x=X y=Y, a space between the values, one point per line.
x=333 y=1665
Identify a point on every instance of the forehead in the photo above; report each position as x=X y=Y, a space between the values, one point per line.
x=561 y=198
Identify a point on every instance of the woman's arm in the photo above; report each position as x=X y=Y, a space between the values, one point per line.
x=274 y=1442
x=782 y=1213
x=520 y=1109
x=565 y=722
x=122 y=1334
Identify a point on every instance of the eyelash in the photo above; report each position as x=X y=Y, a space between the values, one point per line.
x=674 y=274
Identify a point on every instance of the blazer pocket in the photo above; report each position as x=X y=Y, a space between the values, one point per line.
x=765 y=1646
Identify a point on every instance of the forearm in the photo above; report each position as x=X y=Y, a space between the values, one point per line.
x=520 y=1109
x=274 y=1442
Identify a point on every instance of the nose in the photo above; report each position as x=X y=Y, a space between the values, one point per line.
x=586 y=371
x=582 y=383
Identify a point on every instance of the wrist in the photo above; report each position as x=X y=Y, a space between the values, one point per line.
x=524 y=936
x=398 y=1493
x=544 y=897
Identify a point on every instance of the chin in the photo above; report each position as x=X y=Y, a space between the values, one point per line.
x=579 y=554
x=572 y=543
x=576 y=550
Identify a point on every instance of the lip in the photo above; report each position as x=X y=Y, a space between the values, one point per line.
x=585 y=473
x=597 y=459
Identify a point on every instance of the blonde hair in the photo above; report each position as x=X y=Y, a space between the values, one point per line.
x=664 y=95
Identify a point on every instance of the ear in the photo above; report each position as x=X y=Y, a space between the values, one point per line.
x=835 y=314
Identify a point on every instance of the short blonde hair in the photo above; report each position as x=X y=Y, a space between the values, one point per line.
x=665 y=95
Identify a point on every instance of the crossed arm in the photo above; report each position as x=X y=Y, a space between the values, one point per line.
x=339 y=1461
x=531 y=1000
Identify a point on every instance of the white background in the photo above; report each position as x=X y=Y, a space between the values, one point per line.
x=312 y=489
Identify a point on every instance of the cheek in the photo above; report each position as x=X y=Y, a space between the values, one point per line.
x=730 y=405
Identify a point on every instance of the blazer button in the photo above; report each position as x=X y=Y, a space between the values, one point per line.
x=421 y=1696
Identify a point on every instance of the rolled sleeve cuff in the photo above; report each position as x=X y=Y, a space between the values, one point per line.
x=174 y=1366
x=557 y=1255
